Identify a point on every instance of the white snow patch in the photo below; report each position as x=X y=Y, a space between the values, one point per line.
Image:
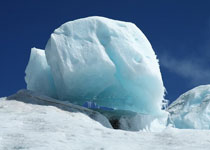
x=36 y=127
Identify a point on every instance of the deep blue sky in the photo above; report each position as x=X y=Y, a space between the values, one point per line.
x=177 y=29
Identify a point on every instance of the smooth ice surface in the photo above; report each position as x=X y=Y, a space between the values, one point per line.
x=192 y=109
x=36 y=127
x=106 y=61
x=38 y=74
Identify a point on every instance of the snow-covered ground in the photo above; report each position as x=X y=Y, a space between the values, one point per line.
x=38 y=127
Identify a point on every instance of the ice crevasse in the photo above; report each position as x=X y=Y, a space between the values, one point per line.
x=98 y=59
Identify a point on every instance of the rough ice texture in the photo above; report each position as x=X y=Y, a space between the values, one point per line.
x=106 y=61
x=132 y=121
x=192 y=109
x=143 y=122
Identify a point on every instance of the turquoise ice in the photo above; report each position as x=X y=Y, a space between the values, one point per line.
x=102 y=60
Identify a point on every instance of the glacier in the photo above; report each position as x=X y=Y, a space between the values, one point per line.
x=192 y=109
x=40 y=127
x=101 y=60
x=110 y=67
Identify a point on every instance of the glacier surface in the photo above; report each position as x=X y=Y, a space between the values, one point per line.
x=192 y=109
x=38 y=127
x=101 y=60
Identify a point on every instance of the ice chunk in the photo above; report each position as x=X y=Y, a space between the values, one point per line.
x=98 y=60
x=38 y=74
x=192 y=109
x=108 y=61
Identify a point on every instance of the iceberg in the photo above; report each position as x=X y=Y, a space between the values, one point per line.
x=192 y=109
x=100 y=60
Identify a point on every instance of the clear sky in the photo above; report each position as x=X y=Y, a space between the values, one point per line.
x=179 y=31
